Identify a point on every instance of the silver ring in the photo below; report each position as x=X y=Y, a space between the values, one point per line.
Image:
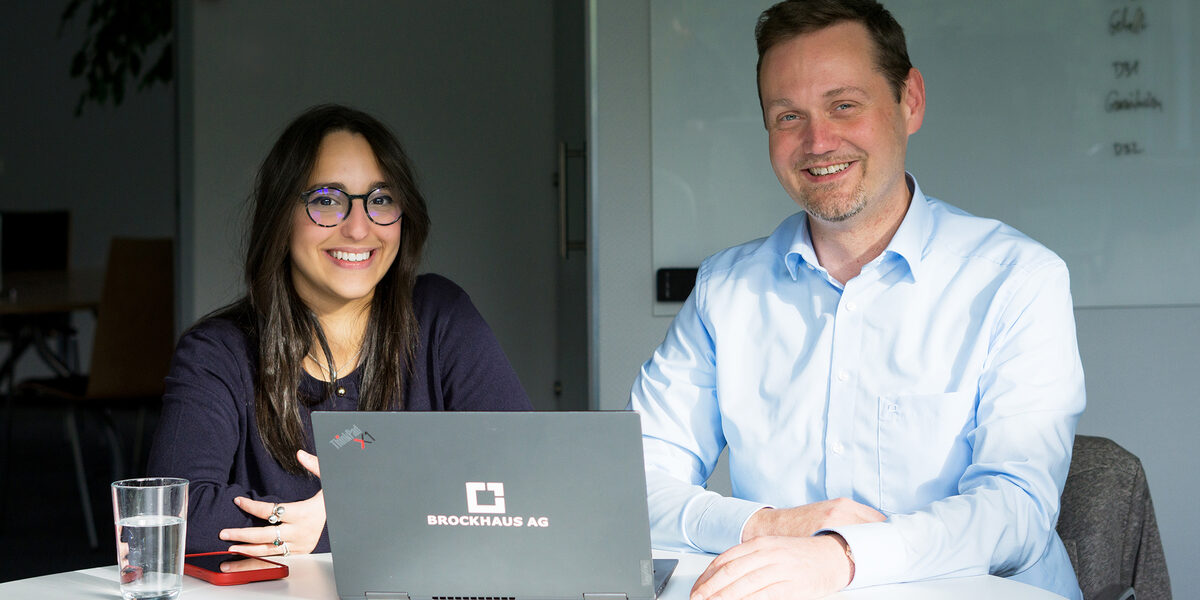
x=286 y=551
x=278 y=541
x=276 y=515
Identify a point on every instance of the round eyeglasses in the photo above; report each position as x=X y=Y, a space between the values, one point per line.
x=328 y=207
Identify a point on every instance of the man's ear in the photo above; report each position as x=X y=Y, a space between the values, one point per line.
x=913 y=100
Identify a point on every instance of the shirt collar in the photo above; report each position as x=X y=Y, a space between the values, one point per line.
x=910 y=238
x=800 y=252
x=908 y=242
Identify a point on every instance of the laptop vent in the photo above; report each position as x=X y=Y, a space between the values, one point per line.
x=474 y=598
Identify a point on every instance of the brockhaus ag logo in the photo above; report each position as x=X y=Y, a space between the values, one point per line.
x=485 y=507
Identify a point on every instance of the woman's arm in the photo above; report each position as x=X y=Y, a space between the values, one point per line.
x=206 y=434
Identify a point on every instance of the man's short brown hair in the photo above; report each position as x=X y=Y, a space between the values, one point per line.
x=791 y=18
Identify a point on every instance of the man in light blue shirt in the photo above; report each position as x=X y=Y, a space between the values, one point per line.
x=897 y=381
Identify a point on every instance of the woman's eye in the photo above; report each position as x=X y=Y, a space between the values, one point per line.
x=322 y=201
x=381 y=200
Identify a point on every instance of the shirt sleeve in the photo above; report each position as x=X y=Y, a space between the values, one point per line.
x=675 y=394
x=202 y=432
x=1030 y=397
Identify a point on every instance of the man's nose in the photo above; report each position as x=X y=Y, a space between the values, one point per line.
x=820 y=137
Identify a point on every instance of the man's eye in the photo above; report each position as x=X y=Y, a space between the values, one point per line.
x=844 y=106
x=788 y=117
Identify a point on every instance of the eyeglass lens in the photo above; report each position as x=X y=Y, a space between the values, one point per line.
x=330 y=206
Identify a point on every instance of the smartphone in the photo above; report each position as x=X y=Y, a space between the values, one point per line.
x=231 y=568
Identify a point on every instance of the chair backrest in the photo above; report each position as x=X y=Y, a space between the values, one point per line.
x=34 y=240
x=135 y=325
x=1107 y=523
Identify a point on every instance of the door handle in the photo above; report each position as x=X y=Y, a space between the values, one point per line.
x=565 y=245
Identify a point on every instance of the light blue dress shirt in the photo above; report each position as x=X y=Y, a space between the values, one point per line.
x=940 y=386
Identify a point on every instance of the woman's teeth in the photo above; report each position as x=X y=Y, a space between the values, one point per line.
x=350 y=256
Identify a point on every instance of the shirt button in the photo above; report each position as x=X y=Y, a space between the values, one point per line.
x=838 y=448
x=851 y=306
x=842 y=376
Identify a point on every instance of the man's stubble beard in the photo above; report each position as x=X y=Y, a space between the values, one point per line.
x=834 y=210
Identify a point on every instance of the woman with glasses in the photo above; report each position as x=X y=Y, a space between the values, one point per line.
x=334 y=318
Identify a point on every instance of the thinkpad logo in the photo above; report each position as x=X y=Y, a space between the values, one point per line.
x=352 y=435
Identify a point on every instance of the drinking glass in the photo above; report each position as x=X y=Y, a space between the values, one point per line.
x=150 y=515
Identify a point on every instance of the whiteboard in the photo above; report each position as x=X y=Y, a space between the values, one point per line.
x=1074 y=121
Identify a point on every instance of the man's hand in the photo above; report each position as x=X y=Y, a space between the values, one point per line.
x=791 y=568
x=803 y=521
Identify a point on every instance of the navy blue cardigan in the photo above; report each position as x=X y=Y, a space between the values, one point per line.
x=208 y=433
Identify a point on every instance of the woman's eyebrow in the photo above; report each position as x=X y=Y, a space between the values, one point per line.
x=327 y=184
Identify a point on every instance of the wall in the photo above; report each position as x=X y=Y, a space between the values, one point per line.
x=111 y=167
x=468 y=88
x=1138 y=360
x=624 y=332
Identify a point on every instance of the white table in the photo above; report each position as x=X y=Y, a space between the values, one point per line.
x=311 y=578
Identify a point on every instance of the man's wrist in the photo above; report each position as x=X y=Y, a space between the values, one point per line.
x=753 y=526
x=845 y=549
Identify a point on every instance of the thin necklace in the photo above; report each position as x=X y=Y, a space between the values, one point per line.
x=333 y=373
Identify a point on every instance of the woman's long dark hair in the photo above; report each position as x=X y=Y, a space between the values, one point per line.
x=280 y=325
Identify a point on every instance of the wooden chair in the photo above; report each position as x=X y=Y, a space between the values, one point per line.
x=133 y=343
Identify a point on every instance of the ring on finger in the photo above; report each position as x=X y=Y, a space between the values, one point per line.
x=276 y=515
x=278 y=541
x=286 y=550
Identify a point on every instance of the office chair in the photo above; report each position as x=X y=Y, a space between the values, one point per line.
x=1107 y=523
x=134 y=340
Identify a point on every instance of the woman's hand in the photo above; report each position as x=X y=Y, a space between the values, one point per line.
x=300 y=523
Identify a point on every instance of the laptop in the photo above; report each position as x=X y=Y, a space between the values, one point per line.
x=475 y=505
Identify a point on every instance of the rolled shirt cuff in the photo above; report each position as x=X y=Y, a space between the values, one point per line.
x=714 y=523
x=879 y=553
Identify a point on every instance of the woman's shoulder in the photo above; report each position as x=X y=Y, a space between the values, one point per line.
x=444 y=308
x=431 y=288
x=436 y=298
x=225 y=332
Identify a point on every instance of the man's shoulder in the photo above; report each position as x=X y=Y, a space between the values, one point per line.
x=960 y=234
x=749 y=257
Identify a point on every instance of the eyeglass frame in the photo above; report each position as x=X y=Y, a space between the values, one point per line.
x=304 y=196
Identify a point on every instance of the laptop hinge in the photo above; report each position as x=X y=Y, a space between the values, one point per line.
x=386 y=595
x=603 y=596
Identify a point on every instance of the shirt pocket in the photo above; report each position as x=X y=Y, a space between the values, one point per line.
x=922 y=450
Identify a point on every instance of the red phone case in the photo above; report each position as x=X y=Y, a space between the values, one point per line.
x=278 y=571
